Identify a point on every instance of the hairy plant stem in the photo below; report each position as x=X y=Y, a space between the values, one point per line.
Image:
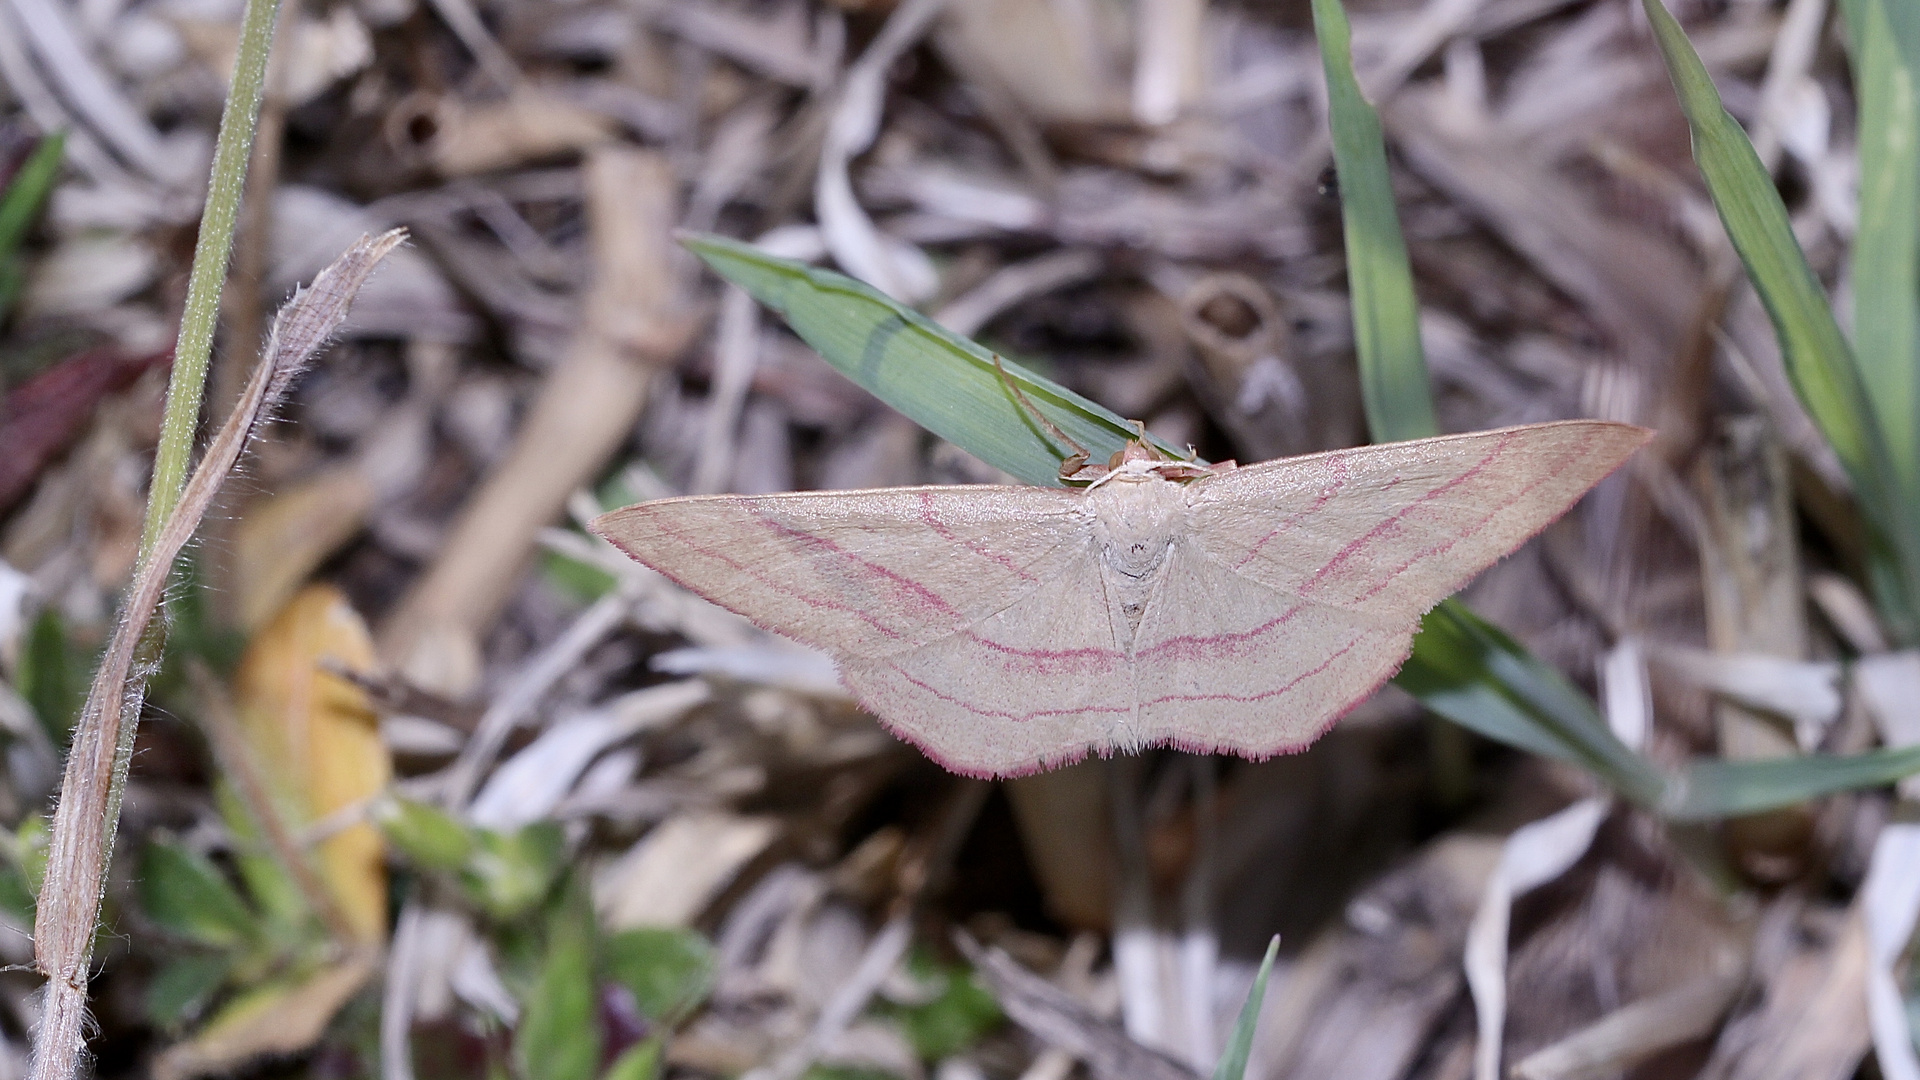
x=84 y=822
x=231 y=152
x=70 y=901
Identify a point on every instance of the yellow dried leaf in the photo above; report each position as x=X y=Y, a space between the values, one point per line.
x=316 y=740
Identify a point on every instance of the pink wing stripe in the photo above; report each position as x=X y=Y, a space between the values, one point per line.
x=1202 y=647
x=1021 y=718
x=1354 y=546
x=1566 y=463
x=933 y=522
x=1093 y=660
x=1188 y=647
x=912 y=588
x=1326 y=495
x=1002 y=714
x=665 y=525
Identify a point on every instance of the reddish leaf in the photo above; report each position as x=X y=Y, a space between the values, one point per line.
x=40 y=417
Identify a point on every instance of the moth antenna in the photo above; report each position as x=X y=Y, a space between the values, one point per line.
x=1079 y=451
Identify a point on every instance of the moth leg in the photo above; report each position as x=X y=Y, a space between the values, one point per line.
x=1074 y=462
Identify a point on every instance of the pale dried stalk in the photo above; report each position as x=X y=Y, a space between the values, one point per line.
x=633 y=322
x=89 y=810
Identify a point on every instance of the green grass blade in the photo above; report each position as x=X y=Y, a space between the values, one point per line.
x=1462 y=667
x=1817 y=354
x=1233 y=1063
x=1386 y=314
x=1722 y=789
x=1818 y=359
x=28 y=191
x=940 y=380
x=20 y=205
x=1467 y=670
x=1886 y=249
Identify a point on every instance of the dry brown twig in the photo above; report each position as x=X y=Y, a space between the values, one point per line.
x=88 y=813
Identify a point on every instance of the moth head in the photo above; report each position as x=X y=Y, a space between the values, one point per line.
x=1139 y=460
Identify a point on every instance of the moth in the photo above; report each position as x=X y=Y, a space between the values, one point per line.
x=1008 y=629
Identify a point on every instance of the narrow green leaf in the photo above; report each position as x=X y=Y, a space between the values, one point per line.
x=1722 y=789
x=668 y=971
x=20 y=204
x=185 y=894
x=940 y=380
x=1233 y=1063
x=1467 y=670
x=52 y=675
x=27 y=192
x=1816 y=352
x=559 y=1034
x=1886 y=248
x=1386 y=314
x=1818 y=358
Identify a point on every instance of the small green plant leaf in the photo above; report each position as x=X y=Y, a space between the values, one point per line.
x=25 y=855
x=1386 y=314
x=559 y=1033
x=940 y=380
x=1233 y=1063
x=580 y=581
x=428 y=836
x=186 y=895
x=270 y=886
x=668 y=971
x=955 y=1019
x=182 y=988
x=510 y=872
x=28 y=190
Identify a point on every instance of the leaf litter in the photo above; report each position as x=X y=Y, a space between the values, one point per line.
x=1129 y=198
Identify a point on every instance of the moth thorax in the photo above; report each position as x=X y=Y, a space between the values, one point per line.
x=1137 y=519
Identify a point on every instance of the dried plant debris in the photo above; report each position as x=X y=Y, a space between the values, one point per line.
x=432 y=781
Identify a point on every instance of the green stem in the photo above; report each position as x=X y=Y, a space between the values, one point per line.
x=190 y=354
